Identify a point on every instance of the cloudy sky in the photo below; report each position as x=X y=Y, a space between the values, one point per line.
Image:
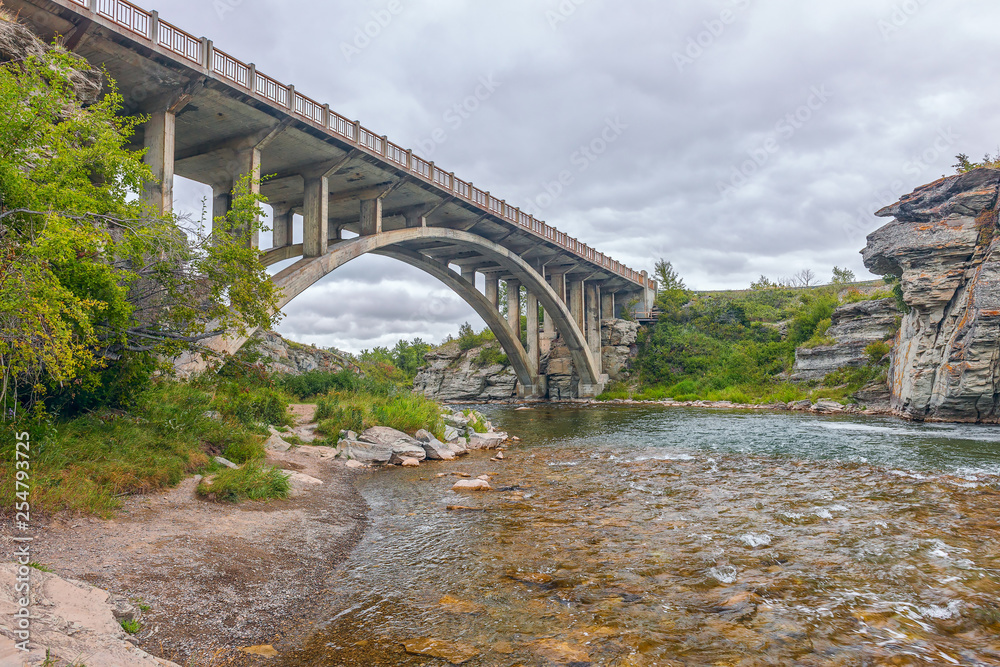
x=734 y=137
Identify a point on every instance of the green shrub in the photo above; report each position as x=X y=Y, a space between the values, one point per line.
x=245 y=448
x=468 y=339
x=476 y=422
x=248 y=482
x=317 y=383
x=876 y=352
x=615 y=391
x=253 y=406
x=344 y=418
x=492 y=355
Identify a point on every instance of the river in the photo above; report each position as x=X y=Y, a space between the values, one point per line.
x=649 y=536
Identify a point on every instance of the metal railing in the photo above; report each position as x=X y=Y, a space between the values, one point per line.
x=140 y=22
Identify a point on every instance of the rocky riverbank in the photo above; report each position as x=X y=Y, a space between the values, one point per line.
x=211 y=583
x=944 y=247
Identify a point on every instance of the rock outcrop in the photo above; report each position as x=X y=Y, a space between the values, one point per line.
x=943 y=246
x=452 y=374
x=855 y=326
x=284 y=356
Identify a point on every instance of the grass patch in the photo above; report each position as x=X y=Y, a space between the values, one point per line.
x=131 y=626
x=88 y=463
x=39 y=567
x=253 y=407
x=251 y=481
x=317 y=383
x=377 y=406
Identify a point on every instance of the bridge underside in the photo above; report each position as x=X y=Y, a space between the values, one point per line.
x=343 y=181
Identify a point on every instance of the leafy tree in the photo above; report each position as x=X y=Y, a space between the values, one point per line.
x=92 y=282
x=843 y=276
x=763 y=283
x=672 y=294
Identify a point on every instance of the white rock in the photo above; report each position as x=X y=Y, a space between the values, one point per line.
x=471 y=485
x=277 y=444
x=225 y=462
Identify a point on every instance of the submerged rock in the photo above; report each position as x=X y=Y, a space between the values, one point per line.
x=466 y=485
x=434 y=448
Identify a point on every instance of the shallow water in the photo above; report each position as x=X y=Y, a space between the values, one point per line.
x=647 y=536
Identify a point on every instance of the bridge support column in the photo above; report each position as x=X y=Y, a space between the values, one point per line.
x=160 y=143
x=576 y=303
x=371 y=216
x=608 y=306
x=514 y=307
x=558 y=283
x=593 y=318
x=316 y=218
x=493 y=289
x=415 y=220
x=245 y=162
x=469 y=274
x=281 y=225
x=533 y=349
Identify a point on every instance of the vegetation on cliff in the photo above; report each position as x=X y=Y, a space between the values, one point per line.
x=739 y=345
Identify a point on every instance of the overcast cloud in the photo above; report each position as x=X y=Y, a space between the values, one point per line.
x=743 y=137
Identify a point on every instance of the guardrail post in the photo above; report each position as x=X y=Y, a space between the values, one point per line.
x=357 y=132
x=154 y=26
x=452 y=184
x=409 y=160
x=385 y=145
x=92 y=5
x=207 y=52
x=326 y=115
x=252 y=83
x=291 y=98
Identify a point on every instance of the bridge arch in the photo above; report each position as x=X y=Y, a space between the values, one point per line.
x=404 y=245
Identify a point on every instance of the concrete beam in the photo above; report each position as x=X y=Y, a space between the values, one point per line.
x=514 y=307
x=361 y=194
x=469 y=274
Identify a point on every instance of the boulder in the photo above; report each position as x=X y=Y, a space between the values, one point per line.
x=409 y=463
x=401 y=445
x=800 y=406
x=828 y=407
x=300 y=482
x=318 y=452
x=471 y=485
x=435 y=449
x=364 y=452
x=451 y=433
x=486 y=440
x=277 y=444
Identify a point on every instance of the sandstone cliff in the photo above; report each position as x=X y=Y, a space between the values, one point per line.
x=454 y=375
x=284 y=356
x=942 y=245
x=855 y=326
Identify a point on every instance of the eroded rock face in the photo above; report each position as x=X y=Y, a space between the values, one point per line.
x=283 y=356
x=618 y=348
x=946 y=361
x=855 y=326
x=454 y=375
x=18 y=43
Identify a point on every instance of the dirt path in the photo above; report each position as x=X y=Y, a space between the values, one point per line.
x=216 y=575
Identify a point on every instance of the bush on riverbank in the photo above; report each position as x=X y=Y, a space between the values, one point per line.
x=251 y=481
x=364 y=408
x=88 y=463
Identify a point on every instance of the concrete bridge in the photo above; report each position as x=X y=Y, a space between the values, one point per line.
x=215 y=119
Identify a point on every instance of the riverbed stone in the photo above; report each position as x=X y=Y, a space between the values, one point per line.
x=486 y=440
x=451 y=433
x=471 y=485
x=437 y=450
x=454 y=652
x=365 y=452
x=828 y=406
x=409 y=463
x=402 y=445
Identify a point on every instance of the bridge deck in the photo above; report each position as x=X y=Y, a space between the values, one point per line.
x=229 y=100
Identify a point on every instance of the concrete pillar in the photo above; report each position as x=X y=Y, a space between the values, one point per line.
x=415 y=220
x=281 y=225
x=316 y=217
x=332 y=231
x=371 y=217
x=592 y=316
x=608 y=306
x=534 y=348
x=469 y=273
x=244 y=162
x=493 y=289
x=514 y=307
x=558 y=283
x=159 y=143
x=576 y=303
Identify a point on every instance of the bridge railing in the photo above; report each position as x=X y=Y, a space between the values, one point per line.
x=147 y=25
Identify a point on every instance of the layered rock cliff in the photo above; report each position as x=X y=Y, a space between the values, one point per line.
x=455 y=375
x=285 y=356
x=855 y=326
x=943 y=246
